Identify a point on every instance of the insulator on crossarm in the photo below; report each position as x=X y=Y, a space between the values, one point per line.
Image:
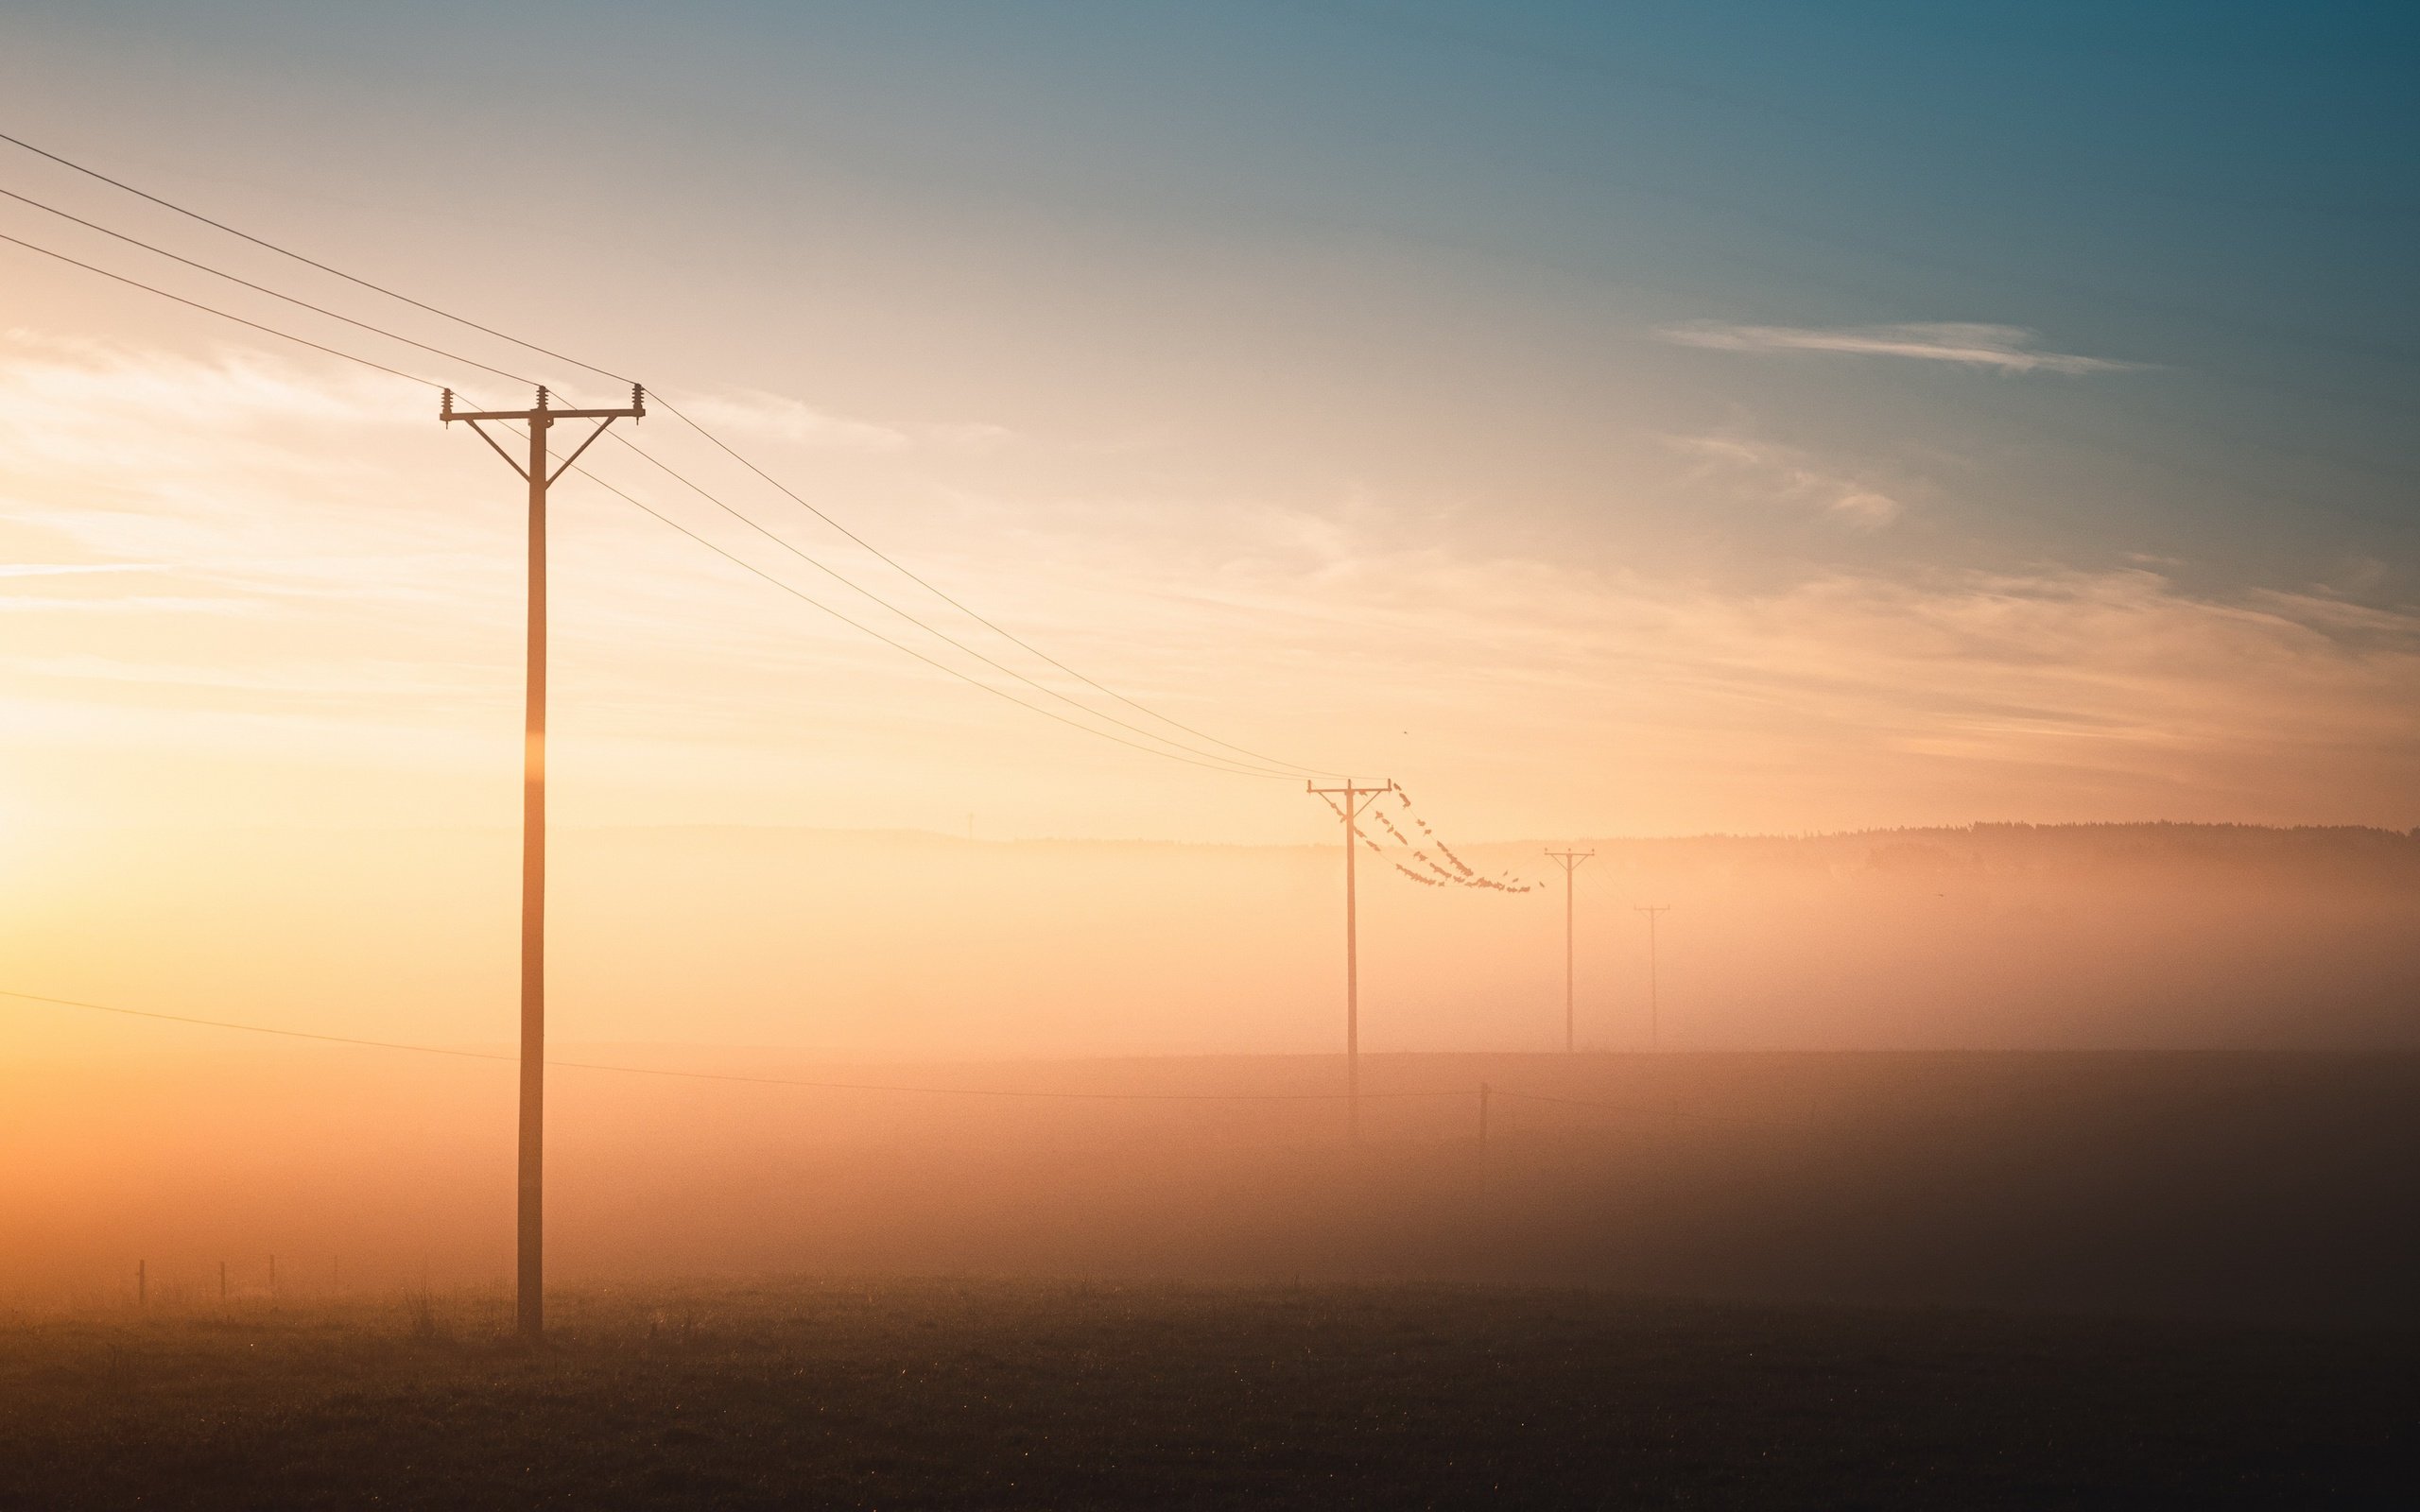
x=445 y=405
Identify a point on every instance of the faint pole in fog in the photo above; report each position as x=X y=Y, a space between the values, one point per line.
x=1483 y=1091
x=1654 y=1029
x=142 y=1283
x=1356 y=799
x=1570 y=862
x=529 y=1255
x=222 y=1281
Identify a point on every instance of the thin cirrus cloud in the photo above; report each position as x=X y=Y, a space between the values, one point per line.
x=74 y=569
x=777 y=417
x=2006 y=347
x=1786 y=475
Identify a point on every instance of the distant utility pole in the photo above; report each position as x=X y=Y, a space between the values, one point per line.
x=1571 y=861
x=1355 y=798
x=531 y=1268
x=1654 y=1027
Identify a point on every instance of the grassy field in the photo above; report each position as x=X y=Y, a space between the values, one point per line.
x=993 y=1394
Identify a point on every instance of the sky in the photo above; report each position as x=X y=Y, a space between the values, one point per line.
x=1635 y=420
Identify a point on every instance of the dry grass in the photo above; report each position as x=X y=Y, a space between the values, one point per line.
x=982 y=1394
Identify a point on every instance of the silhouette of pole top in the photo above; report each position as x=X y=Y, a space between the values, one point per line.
x=638 y=411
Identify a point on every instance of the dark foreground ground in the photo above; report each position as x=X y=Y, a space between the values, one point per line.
x=949 y=1394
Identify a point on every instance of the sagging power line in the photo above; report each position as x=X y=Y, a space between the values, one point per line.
x=1291 y=769
x=1348 y=801
x=540 y=473
x=1180 y=754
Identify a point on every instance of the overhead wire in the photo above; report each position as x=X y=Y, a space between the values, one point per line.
x=933 y=630
x=261 y=288
x=978 y=618
x=678 y=413
x=834 y=574
x=215 y=310
x=1207 y=761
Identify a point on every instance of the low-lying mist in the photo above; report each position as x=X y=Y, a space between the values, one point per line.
x=929 y=947
x=2140 y=1069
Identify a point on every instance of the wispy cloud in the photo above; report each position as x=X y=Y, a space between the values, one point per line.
x=1784 y=474
x=778 y=417
x=72 y=569
x=2008 y=348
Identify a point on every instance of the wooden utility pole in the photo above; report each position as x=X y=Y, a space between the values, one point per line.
x=531 y=1268
x=1354 y=799
x=1570 y=862
x=1655 y=1014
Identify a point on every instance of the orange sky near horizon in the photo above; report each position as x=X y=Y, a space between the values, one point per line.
x=244 y=588
x=1745 y=456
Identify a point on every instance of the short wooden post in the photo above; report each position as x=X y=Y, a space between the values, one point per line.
x=1483 y=1093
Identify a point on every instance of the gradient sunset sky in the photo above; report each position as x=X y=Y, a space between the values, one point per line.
x=1605 y=420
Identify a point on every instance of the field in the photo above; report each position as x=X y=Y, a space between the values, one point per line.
x=1875 y=1281
x=943 y=1393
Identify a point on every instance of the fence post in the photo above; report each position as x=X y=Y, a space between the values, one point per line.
x=1483 y=1093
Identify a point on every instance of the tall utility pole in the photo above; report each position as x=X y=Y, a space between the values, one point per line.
x=1354 y=799
x=1654 y=1028
x=1571 y=861
x=531 y=1267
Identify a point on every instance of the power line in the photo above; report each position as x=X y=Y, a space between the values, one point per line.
x=215 y=310
x=259 y=288
x=716 y=1076
x=1213 y=764
x=283 y=251
x=999 y=693
x=676 y=412
x=735 y=513
x=937 y=633
x=896 y=565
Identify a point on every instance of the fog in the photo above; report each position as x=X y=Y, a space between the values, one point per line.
x=930 y=947
x=2147 y=1068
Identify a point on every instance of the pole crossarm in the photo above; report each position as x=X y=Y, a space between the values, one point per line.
x=543 y=414
x=1355 y=797
x=638 y=411
x=1571 y=861
x=1654 y=1005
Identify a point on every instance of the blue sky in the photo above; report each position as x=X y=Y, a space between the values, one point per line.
x=2095 y=321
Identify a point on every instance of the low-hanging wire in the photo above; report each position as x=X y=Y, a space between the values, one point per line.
x=804 y=556
x=1212 y=763
x=677 y=413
